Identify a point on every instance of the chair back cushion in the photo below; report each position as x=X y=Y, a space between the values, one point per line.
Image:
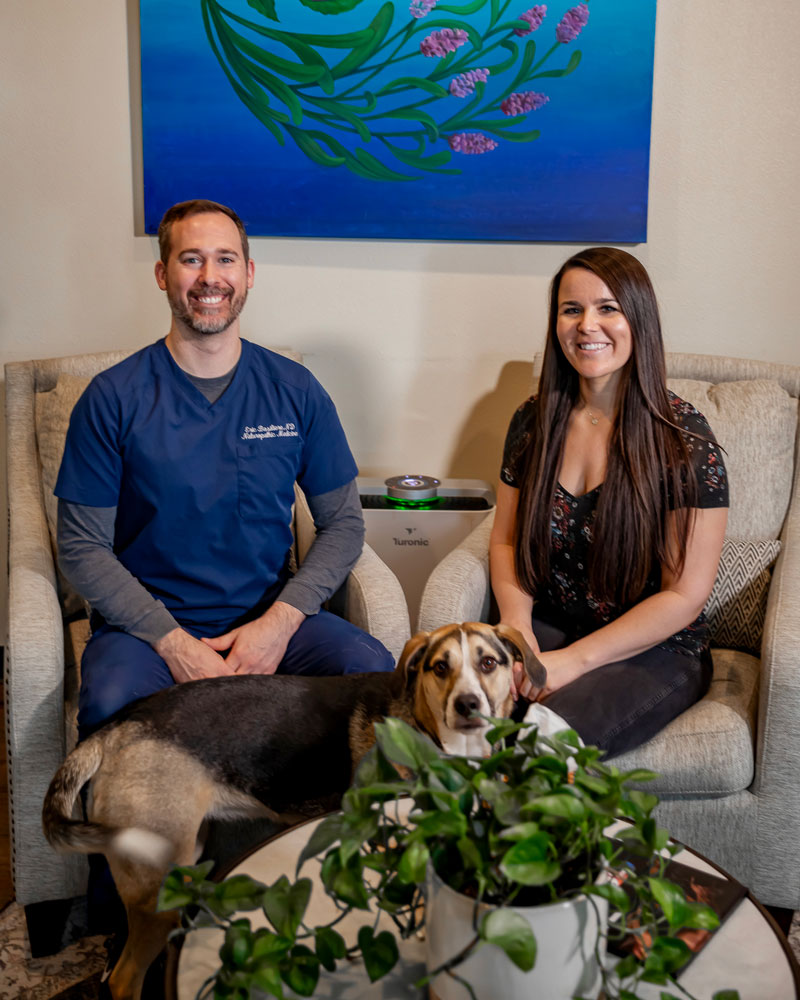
x=755 y=421
x=756 y=424
x=52 y=411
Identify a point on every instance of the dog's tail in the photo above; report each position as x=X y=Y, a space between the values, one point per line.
x=66 y=834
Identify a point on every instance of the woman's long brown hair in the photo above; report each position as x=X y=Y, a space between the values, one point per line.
x=648 y=469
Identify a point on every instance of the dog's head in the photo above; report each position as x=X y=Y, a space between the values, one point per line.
x=462 y=671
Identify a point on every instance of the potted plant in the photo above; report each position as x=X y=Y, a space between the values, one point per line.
x=519 y=833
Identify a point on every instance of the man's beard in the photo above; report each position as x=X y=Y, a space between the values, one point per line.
x=215 y=322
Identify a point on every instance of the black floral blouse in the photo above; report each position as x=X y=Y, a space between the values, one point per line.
x=567 y=592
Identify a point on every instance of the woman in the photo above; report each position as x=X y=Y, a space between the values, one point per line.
x=611 y=513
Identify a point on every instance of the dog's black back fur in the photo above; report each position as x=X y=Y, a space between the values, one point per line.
x=248 y=732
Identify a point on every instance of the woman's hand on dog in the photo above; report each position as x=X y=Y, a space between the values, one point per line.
x=562 y=668
x=188 y=658
x=520 y=682
x=259 y=646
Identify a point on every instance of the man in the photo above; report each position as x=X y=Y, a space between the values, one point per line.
x=176 y=488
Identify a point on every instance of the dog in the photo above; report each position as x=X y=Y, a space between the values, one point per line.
x=279 y=746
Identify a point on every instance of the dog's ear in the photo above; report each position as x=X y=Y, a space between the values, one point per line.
x=412 y=654
x=516 y=645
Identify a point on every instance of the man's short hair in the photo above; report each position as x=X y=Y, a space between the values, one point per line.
x=197 y=206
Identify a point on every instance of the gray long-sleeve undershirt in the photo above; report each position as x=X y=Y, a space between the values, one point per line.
x=86 y=557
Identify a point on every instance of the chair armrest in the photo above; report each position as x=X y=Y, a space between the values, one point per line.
x=778 y=739
x=375 y=602
x=34 y=665
x=775 y=867
x=458 y=588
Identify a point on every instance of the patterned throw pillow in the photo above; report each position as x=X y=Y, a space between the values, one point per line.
x=738 y=602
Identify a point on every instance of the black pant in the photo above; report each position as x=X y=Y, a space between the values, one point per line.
x=621 y=705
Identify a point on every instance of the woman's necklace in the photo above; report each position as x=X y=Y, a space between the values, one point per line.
x=595 y=420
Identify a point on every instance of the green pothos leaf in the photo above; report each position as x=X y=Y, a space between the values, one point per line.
x=379 y=951
x=510 y=931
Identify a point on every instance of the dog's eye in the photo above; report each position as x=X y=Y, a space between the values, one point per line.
x=487 y=664
x=440 y=668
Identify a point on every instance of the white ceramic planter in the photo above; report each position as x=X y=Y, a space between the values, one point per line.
x=566 y=935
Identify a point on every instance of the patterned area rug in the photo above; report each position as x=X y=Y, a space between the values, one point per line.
x=74 y=974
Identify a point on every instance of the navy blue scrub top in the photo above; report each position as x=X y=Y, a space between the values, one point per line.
x=203 y=490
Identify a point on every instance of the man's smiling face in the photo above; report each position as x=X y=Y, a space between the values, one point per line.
x=207 y=276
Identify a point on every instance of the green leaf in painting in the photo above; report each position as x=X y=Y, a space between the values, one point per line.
x=415 y=115
x=419 y=82
x=265 y=7
x=430 y=163
x=372 y=37
x=572 y=65
x=467 y=8
x=330 y=6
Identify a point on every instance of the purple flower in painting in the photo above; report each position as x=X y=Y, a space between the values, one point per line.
x=471 y=142
x=534 y=17
x=519 y=104
x=421 y=8
x=439 y=43
x=572 y=23
x=464 y=83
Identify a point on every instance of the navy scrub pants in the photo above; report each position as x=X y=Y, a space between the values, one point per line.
x=118 y=668
x=621 y=705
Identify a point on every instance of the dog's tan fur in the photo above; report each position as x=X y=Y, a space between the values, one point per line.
x=150 y=794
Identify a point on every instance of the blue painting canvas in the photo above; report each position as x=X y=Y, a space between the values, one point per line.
x=415 y=119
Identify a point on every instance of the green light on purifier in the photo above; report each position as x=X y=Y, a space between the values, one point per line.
x=412 y=504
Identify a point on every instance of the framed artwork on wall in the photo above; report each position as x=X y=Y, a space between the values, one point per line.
x=402 y=119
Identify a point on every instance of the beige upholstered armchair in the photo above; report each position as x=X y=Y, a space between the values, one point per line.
x=47 y=621
x=728 y=784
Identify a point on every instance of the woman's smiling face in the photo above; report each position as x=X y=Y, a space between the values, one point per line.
x=591 y=328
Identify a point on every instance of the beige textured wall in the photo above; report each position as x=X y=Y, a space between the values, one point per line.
x=424 y=347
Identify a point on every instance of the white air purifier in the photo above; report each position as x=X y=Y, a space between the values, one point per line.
x=413 y=521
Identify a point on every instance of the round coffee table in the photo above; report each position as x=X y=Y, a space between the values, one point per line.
x=748 y=952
